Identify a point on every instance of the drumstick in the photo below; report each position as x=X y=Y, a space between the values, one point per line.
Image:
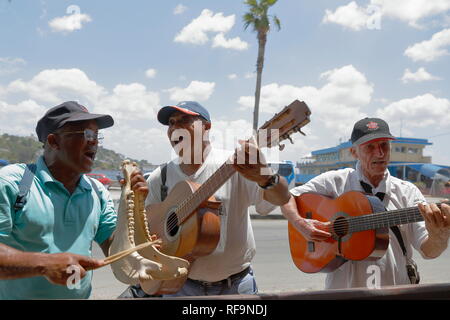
x=122 y=254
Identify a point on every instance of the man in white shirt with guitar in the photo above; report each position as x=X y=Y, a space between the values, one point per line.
x=205 y=178
x=350 y=244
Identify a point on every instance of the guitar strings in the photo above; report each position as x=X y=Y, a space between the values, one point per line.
x=354 y=224
x=374 y=219
x=186 y=208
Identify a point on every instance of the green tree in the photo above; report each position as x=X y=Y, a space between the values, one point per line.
x=259 y=19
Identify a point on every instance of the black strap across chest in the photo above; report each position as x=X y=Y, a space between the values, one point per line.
x=368 y=189
x=164 y=188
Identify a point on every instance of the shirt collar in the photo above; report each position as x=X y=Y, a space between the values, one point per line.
x=382 y=186
x=44 y=174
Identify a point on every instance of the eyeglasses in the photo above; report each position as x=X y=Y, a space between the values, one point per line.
x=89 y=135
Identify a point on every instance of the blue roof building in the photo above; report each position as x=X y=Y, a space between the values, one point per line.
x=407 y=161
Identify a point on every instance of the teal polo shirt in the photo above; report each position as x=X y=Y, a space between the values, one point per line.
x=52 y=221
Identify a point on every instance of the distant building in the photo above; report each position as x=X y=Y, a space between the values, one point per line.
x=407 y=162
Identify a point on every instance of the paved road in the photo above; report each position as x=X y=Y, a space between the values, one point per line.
x=274 y=269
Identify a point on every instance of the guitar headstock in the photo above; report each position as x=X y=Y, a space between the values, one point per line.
x=288 y=121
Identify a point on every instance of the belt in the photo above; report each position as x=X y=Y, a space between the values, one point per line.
x=228 y=280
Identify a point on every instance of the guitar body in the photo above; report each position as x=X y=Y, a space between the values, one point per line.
x=327 y=256
x=196 y=236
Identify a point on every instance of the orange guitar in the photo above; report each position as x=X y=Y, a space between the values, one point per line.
x=359 y=228
x=187 y=221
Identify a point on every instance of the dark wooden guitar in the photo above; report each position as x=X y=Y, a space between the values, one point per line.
x=187 y=221
x=359 y=228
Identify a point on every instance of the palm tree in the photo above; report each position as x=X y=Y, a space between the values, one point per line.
x=259 y=20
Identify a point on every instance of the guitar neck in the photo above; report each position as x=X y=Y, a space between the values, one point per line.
x=205 y=191
x=288 y=121
x=386 y=219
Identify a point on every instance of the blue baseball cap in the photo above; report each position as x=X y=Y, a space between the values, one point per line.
x=188 y=107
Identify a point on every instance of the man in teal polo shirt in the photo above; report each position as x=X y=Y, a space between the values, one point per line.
x=45 y=247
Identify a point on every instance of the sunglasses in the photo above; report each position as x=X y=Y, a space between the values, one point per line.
x=89 y=135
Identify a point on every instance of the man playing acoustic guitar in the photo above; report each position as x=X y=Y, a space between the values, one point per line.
x=371 y=147
x=226 y=270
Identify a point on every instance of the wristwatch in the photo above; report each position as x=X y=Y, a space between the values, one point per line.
x=273 y=181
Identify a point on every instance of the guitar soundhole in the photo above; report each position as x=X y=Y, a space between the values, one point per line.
x=172 y=224
x=340 y=226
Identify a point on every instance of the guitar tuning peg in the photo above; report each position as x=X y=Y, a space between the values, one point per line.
x=300 y=130
x=281 y=147
x=290 y=139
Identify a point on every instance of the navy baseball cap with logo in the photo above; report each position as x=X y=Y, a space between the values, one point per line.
x=188 y=107
x=369 y=129
x=69 y=111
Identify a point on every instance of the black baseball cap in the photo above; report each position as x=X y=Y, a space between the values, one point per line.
x=69 y=111
x=368 y=129
x=188 y=107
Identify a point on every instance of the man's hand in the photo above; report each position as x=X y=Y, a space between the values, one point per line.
x=250 y=163
x=312 y=230
x=138 y=183
x=437 y=221
x=55 y=267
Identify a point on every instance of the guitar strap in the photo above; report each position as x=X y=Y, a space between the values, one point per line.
x=411 y=267
x=368 y=188
x=163 y=182
x=24 y=186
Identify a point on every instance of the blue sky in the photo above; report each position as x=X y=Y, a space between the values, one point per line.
x=345 y=59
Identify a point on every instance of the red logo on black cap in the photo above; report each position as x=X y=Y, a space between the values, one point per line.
x=372 y=125
x=84 y=108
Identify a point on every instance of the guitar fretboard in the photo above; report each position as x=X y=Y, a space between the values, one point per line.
x=206 y=190
x=385 y=219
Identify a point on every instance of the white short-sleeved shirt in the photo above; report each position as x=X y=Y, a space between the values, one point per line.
x=236 y=246
x=399 y=194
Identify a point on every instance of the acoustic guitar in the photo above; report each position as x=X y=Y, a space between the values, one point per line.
x=187 y=221
x=359 y=228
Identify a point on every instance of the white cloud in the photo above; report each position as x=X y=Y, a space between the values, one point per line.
x=196 y=90
x=69 y=23
x=336 y=105
x=129 y=102
x=11 y=65
x=420 y=75
x=150 y=73
x=418 y=112
x=249 y=75
x=225 y=133
x=356 y=17
x=179 y=9
x=350 y=16
x=235 y=43
x=432 y=49
x=411 y=11
x=56 y=85
x=148 y=141
x=232 y=76
x=132 y=106
x=196 y=32
x=20 y=118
